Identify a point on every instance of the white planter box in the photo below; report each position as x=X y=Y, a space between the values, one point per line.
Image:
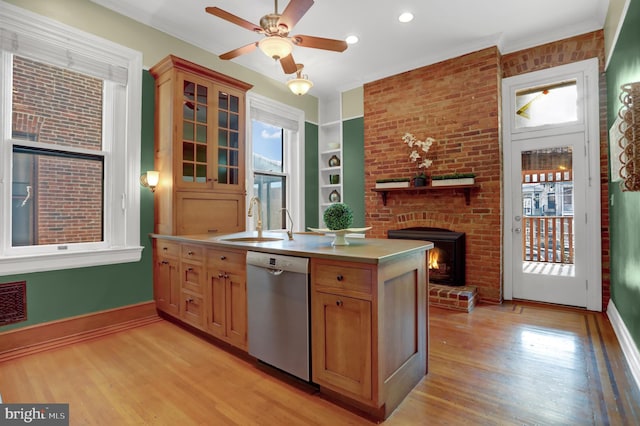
x=452 y=182
x=383 y=185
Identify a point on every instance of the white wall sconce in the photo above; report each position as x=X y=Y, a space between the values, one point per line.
x=150 y=179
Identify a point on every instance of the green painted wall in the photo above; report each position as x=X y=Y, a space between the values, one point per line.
x=353 y=167
x=67 y=293
x=624 y=214
x=311 y=179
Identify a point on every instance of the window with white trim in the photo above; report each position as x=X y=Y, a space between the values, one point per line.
x=275 y=137
x=69 y=146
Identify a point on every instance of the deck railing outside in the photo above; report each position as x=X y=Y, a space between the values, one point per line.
x=548 y=239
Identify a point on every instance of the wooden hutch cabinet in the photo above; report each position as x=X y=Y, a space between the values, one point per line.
x=199 y=149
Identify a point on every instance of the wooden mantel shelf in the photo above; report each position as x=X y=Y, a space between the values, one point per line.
x=466 y=189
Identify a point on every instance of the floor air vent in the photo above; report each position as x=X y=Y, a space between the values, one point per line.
x=13 y=302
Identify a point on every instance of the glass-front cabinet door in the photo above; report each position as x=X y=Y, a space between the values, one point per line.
x=196 y=140
x=229 y=154
x=211 y=126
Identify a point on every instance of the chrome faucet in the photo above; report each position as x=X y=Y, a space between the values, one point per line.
x=256 y=200
x=289 y=231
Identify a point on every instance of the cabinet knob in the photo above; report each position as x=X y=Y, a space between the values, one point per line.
x=189 y=300
x=189 y=269
x=165 y=248
x=220 y=275
x=190 y=253
x=223 y=257
x=226 y=275
x=338 y=302
x=164 y=262
x=339 y=278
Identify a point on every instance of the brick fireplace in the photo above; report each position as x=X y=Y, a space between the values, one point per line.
x=446 y=263
x=446 y=259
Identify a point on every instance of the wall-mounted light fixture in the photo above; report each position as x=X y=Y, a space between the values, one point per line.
x=150 y=179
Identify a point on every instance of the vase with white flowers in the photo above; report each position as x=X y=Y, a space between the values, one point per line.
x=417 y=155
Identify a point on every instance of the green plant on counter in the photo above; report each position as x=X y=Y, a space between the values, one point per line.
x=454 y=176
x=338 y=216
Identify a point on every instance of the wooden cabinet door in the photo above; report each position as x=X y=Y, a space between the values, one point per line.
x=236 y=305
x=228 y=157
x=216 y=303
x=203 y=213
x=341 y=340
x=195 y=132
x=192 y=308
x=166 y=285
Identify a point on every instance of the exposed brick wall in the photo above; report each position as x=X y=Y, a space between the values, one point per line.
x=62 y=108
x=579 y=48
x=457 y=102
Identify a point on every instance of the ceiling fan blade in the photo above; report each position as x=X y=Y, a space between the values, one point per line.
x=288 y=64
x=319 y=43
x=216 y=11
x=294 y=11
x=239 y=51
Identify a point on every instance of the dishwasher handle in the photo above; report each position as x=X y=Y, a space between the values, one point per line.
x=275 y=272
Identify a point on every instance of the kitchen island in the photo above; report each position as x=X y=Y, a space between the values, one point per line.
x=369 y=307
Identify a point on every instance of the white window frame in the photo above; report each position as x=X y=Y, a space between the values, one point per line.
x=294 y=154
x=122 y=102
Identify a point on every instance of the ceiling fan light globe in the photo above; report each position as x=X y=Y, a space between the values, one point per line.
x=299 y=86
x=276 y=47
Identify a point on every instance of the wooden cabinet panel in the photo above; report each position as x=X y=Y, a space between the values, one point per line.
x=237 y=310
x=166 y=285
x=192 y=277
x=217 y=312
x=342 y=278
x=202 y=213
x=166 y=276
x=226 y=259
x=342 y=344
x=200 y=144
x=167 y=248
x=192 y=309
x=227 y=296
x=192 y=252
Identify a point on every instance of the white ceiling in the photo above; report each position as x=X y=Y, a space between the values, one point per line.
x=442 y=29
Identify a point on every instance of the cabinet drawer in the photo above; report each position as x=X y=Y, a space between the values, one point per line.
x=192 y=252
x=192 y=277
x=226 y=260
x=339 y=277
x=192 y=309
x=167 y=248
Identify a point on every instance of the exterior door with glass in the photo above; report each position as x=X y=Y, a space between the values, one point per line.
x=552 y=209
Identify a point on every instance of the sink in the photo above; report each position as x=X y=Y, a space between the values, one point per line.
x=252 y=239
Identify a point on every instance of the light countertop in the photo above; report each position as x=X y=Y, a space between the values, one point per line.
x=363 y=250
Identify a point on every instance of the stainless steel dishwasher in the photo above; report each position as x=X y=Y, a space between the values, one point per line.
x=278 y=311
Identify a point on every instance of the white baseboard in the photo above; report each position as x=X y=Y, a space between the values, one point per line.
x=629 y=348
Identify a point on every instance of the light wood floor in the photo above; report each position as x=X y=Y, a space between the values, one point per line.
x=510 y=364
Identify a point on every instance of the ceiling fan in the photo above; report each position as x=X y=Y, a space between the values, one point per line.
x=276 y=27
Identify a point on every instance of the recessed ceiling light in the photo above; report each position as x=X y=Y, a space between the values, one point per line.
x=352 y=39
x=405 y=17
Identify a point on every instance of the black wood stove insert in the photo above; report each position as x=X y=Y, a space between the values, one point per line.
x=446 y=260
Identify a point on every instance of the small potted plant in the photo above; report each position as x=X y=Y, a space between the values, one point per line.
x=415 y=157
